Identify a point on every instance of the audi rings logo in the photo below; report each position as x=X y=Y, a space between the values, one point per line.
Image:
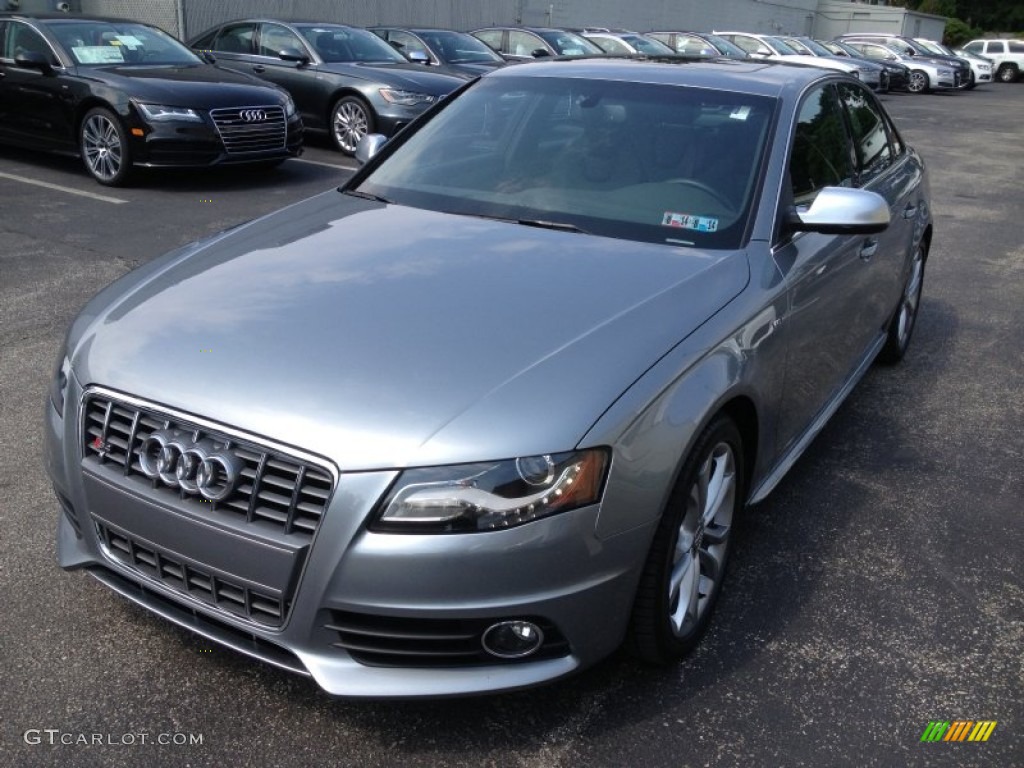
x=253 y=115
x=202 y=467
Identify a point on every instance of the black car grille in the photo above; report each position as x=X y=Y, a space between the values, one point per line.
x=386 y=641
x=248 y=130
x=197 y=582
x=280 y=493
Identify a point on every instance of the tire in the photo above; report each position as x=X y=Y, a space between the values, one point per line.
x=1007 y=73
x=351 y=119
x=917 y=82
x=973 y=82
x=901 y=327
x=683 y=574
x=103 y=143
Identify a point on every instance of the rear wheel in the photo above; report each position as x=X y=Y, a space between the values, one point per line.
x=918 y=82
x=1007 y=73
x=901 y=327
x=685 y=567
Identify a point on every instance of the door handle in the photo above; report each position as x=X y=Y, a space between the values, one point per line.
x=867 y=250
x=259 y=69
x=910 y=211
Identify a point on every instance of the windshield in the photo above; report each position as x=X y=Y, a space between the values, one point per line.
x=342 y=44
x=652 y=163
x=569 y=44
x=99 y=43
x=931 y=47
x=781 y=46
x=727 y=48
x=458 y=47
x=648 y=46
x=816 y=47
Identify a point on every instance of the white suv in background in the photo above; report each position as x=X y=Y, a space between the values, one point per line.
x=1007 y=56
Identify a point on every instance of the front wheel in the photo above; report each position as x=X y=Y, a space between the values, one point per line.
x=104 y=146
x=901 y=327
x=683 y=575
x=918 y=82
x=351 y=119
x=1007 y=73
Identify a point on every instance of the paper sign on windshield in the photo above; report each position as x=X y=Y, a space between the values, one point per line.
x=98 y=54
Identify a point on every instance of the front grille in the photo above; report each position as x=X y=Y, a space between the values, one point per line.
x=279 y=493
x=393 y=641
x=265 y=130
x=189 y=579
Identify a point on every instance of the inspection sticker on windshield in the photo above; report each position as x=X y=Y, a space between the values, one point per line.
x=686 y=221
x=740 y=113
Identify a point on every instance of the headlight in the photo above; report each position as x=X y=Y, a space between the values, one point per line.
x=405 y=98
x=159 y=113
x=492 y=495
x=59 y=382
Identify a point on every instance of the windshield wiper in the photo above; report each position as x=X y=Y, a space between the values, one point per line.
x=558 y=225
x=366 y=196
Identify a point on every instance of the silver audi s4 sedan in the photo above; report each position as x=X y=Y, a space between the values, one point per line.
x=492 y=409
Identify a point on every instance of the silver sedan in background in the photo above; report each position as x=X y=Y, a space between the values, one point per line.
x=493 y=408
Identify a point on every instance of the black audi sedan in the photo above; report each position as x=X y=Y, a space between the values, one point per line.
x=345 y=80
x=123 y=94
x=456 y=53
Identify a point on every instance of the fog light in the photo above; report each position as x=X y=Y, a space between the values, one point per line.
x=512 y=639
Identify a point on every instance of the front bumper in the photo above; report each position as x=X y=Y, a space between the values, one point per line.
x=364 y=614
x=193 y=144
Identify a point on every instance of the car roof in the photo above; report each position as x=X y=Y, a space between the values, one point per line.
x=753 y=76
x=18 y=16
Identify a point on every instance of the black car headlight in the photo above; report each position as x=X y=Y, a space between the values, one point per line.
x=405 y=98
x=492 y=495
x=162 y=113
x=59 y=382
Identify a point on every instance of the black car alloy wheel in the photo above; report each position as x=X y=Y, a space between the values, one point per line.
x=683 y=574
x=103 y=142
x=351 y=119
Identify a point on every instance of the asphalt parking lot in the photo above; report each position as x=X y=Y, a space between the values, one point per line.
x=879 y=588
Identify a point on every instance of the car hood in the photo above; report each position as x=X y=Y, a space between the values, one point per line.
x=408 y=77
x=383 y=336
x=202 y=86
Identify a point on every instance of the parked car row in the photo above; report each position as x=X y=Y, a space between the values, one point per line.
x=124 y=94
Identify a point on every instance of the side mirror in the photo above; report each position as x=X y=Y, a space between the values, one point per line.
x=418 y=57
x=843 y=211
x=540 y=53
x=369 y=146
x=34 y=60
x=293 y=54
x=208 y=57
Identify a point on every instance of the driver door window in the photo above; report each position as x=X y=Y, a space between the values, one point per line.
x=275 y=38
x=821 y=155
x=523 y=43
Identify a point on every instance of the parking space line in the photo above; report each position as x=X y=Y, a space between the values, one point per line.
x=328 y=165
x=58 y=187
